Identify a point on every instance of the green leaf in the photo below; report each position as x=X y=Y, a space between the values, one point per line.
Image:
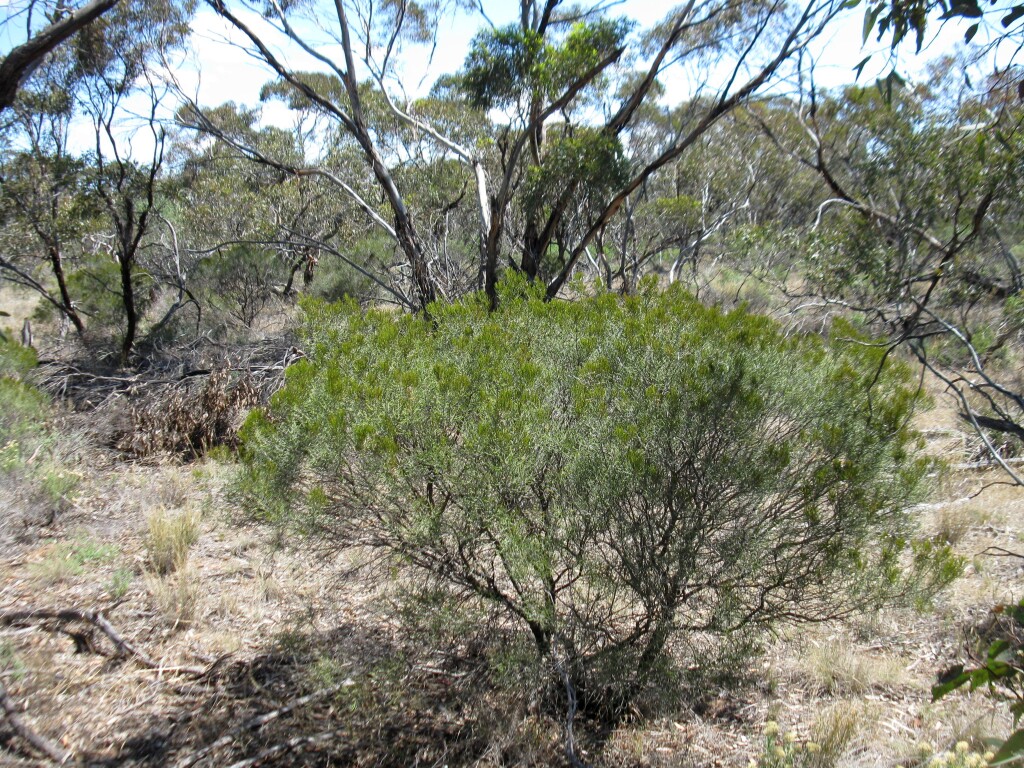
x=1017 y=709
x=860 y=66
x=971 y=32
x=997 y=648
x=869 y=21
x=980 y=677
x=950 y=681
x=966 y=9
x=1012 y=749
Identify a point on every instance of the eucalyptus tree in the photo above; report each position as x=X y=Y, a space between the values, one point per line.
x=688 y=221
x=46 y=207
x=123 y=99
x=47 y=25
x=551 y=171
x=919 y=230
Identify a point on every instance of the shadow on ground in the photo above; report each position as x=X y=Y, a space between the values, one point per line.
x=370 y=703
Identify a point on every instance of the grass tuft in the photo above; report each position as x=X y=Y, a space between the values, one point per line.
x=175 y=596
x=836 y=667
x=69 y=559
x=170 y=538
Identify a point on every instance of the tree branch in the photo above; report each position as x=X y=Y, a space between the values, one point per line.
x=24 y=59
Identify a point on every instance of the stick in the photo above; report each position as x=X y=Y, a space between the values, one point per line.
x=256 y=723
x=284 y=747
x=97 y=620
x=48 y=748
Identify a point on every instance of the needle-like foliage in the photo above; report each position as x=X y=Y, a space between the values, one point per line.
x=612 y=473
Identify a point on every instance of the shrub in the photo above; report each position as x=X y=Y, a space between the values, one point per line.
x=120 y=582
x=614 y=474
x=23 y=408
x=240 y=281
x=35 y=475
x=188 y=417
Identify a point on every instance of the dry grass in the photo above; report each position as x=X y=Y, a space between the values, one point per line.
x=175 y=596
x=170 y=539
x=19 y=305
x=836 y=667
x=951 y=523
x=836 y=729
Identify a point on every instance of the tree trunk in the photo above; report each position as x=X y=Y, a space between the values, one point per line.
x=530 y=263
x=130 y=310
x=68 y=308
x=23 y=60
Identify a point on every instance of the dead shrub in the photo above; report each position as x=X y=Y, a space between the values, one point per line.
x=188 y=417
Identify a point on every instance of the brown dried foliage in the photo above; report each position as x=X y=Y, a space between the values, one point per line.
x=189 y=417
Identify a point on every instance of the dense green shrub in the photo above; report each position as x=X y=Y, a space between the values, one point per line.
x=614 y=474
x=23 y=408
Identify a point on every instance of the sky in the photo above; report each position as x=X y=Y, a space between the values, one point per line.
x=228 y=74
x=218 y=69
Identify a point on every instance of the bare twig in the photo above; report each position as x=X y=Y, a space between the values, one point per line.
x=286 y=746
x=97 y=620
x=47 y=747
x=1000 y=552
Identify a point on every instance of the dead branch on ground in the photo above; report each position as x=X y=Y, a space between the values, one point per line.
x=47 y=747
x=286 y=746
x=98 y=620
x=256 y=723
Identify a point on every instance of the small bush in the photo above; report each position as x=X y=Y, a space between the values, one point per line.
x=170 y=538
x=785 y=750
x=10 y=662
x=962 y=756
x=613 y=474
x=240 y=281
x=15 y=360
x=36 y=479
x=120 y=582
x=23 y=410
